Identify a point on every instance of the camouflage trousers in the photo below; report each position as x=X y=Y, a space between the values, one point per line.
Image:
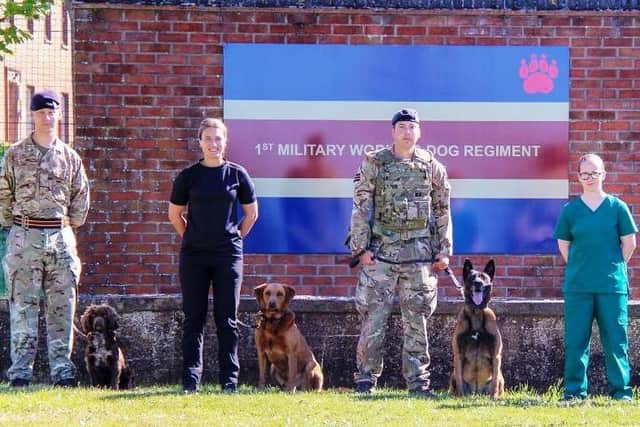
x=37 y=261
x=417 y=293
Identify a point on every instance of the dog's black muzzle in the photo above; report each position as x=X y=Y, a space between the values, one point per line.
x=477 y=287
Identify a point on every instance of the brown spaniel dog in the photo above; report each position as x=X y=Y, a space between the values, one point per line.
x=104 y=358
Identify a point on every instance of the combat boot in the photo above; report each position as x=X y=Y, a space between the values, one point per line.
x=365 y=387
x=66 y=382
x=422 y=392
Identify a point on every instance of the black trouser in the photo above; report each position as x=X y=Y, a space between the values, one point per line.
x=197 y=274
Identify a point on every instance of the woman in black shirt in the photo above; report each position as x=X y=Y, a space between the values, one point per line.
x=211 y=252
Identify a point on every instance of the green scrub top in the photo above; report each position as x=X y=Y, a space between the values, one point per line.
x=595 y=261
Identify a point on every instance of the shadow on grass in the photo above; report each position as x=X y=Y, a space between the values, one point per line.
x=5 y=388
x=443 y=400
x=169 y=390
x=141 y=393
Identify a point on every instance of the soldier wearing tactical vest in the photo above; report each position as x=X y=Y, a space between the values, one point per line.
x=399 y=192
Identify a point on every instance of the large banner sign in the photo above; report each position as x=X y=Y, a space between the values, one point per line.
x=301 y=117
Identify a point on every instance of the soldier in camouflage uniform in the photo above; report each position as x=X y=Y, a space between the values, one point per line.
x=398 y=191
x=44 y=192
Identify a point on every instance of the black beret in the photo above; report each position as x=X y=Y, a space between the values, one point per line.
x=45 y=99
x=405 y=115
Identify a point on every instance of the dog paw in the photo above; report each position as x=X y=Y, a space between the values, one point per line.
x=538 y=75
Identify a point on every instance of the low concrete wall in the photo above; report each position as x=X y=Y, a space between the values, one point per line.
x=151 y=332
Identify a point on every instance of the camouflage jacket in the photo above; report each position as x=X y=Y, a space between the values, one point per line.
x=414 y=192
x=37 y=185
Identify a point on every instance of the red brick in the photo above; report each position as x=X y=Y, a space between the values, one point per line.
x=411 y=31
x=187 y=27
x=301 y=269
x=268 y=38
x=443 y=31
x=140 y=37
x=348 y=29
x=172 y=38
x=343 y=19
x=237 y=38
x=205 y=38
x=618 y=42
x=140 y=15
x=154 y=47
x=331 y=39
x=301 y=38
x=253 y=28
x=602 y=52
x=555 y=41
x=155 y=27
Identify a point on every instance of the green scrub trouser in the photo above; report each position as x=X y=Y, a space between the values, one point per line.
x=610 y=311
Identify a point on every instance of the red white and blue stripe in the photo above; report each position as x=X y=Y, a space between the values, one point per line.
x=301 y=116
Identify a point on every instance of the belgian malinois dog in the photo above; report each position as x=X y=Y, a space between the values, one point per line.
x=477 y=344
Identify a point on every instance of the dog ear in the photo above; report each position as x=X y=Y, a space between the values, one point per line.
x=490 y=269
x=258 y=291
x=290 y=293
x=466 y=269
x=112 y=320
x=86 y=320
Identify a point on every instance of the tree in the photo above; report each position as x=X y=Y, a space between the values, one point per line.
x=9 y=32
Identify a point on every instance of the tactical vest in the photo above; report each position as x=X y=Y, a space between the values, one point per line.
x=403 y=195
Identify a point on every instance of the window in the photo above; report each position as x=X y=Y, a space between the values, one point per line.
x=13 y=107
x=47 y=27
x=65 y=25
x=65 y=120
x=30 y=25
x=30 y=92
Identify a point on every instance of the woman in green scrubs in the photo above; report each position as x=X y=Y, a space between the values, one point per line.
x=596 y=237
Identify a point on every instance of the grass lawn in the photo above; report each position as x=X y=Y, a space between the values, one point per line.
x=166 y=406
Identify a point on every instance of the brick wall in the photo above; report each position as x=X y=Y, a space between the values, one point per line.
x=146 y=75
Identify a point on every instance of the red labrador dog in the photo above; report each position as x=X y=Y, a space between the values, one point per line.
x=280 y=343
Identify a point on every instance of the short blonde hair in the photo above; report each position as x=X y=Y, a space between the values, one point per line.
x=591 y=157
x=212 y=123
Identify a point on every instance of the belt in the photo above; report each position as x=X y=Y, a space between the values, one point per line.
x=27 y=222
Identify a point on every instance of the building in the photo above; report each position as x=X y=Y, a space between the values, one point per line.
x=42 y=62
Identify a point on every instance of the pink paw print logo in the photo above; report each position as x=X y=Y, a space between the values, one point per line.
x=538 y=75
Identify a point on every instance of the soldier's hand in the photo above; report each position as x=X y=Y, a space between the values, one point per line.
x=367 y=258
x=441 y=263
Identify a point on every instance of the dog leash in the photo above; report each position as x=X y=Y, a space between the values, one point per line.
x=454 y=279
x=78 y=331
x=244 y=325
x=356 y=260
x=257 y=325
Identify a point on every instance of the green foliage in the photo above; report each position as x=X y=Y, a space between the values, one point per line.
x=31 y=9
x=167 y=406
